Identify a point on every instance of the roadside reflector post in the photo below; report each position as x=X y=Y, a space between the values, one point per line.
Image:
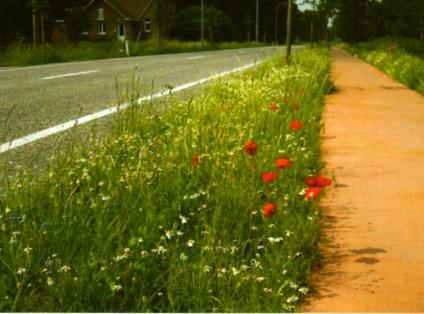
x=127 y=48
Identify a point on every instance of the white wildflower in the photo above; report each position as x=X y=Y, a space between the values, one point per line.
x=244 y=267
x=50 y=281
x=190 y=243
x=64 y=269
x=235 y=271
x=293 y=299
x=183 y=219
x=275 y=240
x=116 y=288
x=293 y=285
x=168 y=234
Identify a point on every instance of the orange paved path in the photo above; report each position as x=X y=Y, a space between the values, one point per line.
x=374 y=145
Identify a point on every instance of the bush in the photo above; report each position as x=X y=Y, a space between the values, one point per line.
x=20 y=54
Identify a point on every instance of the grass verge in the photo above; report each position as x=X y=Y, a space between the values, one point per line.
x=21 y=55
x=402 y=59
x=172 y=211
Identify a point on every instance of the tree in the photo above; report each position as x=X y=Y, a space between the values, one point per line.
x=15 y=21
x=217 y=25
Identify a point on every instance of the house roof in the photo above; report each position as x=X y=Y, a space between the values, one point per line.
x=128 y=9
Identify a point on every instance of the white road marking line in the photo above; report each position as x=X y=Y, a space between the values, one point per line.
x=94 y=116
x=6 y=69
x=68 y=74
x=195 y=58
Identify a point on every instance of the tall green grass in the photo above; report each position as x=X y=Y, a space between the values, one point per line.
x=21 y=55
x=165 y=214
x=402 y=59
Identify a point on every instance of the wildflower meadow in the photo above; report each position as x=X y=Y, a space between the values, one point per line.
x=209 y=205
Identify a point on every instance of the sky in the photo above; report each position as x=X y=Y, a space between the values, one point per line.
x=303 y=7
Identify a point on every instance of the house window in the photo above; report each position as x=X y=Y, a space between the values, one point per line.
x=121 y=30
x=100 y=14
x=102 y=28
x=147 y=25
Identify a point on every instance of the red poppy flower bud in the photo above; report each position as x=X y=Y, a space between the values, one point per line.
x=311 y=181
x=250 y=148
x=268 y=177
x=323 y=181
x=296 y=125
x=195 y=160
x=273 y=107
x=282 y=163
x=295 y=106
x=269 y=209
x=313 y=192
x=317 y=181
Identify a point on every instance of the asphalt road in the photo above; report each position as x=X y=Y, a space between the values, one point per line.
x=34 y=98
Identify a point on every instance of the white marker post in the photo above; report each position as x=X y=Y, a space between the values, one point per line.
x=127 y=48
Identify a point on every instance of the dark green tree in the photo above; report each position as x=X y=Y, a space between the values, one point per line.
x=218 y=26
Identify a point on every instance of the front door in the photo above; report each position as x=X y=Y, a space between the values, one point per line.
x=121 y=31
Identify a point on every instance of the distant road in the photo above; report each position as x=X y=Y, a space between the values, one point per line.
x=37 y=97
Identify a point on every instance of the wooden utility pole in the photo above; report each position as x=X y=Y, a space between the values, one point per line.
x=34 y=25
x=202 y=22
x=257 y=22
x=43 y=39
x=312 y=33
x=289 y=31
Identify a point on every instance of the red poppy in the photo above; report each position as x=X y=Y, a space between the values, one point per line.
x=295 y=106
x=311 y=181
x=301 y=91
x=250 y=148
x=195 y=160
x=296 y=125
x=286 y=100
x=273 y=107
x=282 y=163
x=317 y=181
x=313 y=192
x=269 y=209
x=268 y=177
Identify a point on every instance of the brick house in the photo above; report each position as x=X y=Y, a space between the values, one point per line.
x=119 y=19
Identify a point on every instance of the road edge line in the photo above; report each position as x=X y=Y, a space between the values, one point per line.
x=15 y=143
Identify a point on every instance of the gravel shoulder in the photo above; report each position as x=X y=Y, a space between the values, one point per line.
x=373 y=231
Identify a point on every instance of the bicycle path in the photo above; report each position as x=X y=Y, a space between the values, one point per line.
x=373 y=219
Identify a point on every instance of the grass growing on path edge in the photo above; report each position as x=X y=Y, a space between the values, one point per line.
x=166 y=214
x=401 y=59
